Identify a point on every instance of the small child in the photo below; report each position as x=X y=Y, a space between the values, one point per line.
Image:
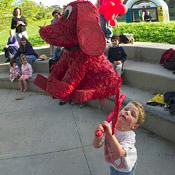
x=15 y=72
x=117 y=55
x=119 y=149
x=26 y=73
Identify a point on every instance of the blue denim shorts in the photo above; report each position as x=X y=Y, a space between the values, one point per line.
x=113 y=171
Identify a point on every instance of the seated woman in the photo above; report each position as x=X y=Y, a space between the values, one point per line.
x=12 y=46
x=26 y=49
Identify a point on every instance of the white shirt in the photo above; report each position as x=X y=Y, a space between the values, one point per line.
x=126 y=162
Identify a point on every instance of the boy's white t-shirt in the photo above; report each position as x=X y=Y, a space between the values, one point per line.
x=126 y=162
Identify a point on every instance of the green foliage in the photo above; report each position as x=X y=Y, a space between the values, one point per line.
x=35 y=12
x=30 y=10
x=156 y=32
x=6 y=10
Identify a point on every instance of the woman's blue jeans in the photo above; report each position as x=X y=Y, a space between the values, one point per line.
x=106 y=27
x=30 y=59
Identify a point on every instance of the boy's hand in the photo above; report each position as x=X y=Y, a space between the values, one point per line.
x=117 y=62
x=99 y=128
x=107 y=127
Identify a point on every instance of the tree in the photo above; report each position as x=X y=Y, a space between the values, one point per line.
x=6 y=10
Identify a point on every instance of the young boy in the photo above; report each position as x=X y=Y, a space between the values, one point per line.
x=56 y=14
x=116 y=54
x=119 y=149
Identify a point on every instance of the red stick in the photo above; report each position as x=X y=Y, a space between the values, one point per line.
x=111 y=115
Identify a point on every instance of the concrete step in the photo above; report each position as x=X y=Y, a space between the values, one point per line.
x=157 y=120
x=4 y=67
x=6 y=84
x=41 y=66
x=39 y=50
x=147 y=76
x=38 y=66
x=146 y=52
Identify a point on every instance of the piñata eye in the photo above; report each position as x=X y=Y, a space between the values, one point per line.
x=67 y=12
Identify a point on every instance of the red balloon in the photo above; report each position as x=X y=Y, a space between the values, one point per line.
x=113 y=22
x=118 y=1
x=108 y=16
x=102 y=9
x=121 y=9
x=109 y=6
x=105 y=1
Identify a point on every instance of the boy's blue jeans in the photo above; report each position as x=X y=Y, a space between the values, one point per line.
x=113 y=171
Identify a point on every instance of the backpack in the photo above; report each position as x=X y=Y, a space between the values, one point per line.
x=123 y=39
x=170 y=65
x=169 y=97
x=168 y=59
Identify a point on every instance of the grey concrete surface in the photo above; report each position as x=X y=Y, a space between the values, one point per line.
x=40 y=137
x=139 y=51
x=147 y=76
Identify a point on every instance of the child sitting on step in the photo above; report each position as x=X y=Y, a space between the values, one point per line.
x=15 y=72
x=117 y=55
x=119 y=149
x=26 y=69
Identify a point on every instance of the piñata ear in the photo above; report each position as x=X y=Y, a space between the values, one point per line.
x=90 y=36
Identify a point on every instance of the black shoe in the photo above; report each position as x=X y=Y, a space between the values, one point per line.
x=82 y=104
x=71 y=102
x=62 y=103
x=8 y=60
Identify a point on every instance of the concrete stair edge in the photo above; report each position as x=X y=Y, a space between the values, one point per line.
x=146 y=75
x=155 y=121
x=155 y=118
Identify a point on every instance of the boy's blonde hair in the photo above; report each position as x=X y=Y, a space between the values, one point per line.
x=23 y=57
x=142 y=114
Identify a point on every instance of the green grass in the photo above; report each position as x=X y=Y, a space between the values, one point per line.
x=156 y=32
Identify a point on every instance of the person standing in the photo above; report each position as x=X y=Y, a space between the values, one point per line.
x=56 y=15
x=105 y=26
x=120 y=152
x=142 y=17
x=148 y=17
x=19 y=23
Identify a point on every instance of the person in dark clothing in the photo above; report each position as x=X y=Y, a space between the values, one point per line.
x=105 y=26
x=19 y=23
x=56 y=56
x=148 y=17
x=117 y=55
x=57 y=15
x=11 y=47
x=26 y=49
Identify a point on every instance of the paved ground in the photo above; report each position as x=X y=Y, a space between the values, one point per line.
x=39 y=137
